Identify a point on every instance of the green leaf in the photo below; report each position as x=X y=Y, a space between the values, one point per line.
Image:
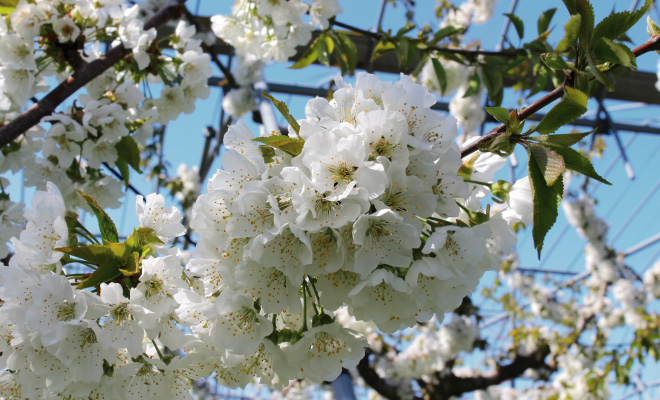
x=284 y=110
x=142 y=236
x=575 y=161
x=545 y=200
x=616 y=24
x=106 y=226
x=473 y=85
x=349 y=52
x=554 y=61
x=651 y=27
x=289 y=145
x=127 y=149
x=567 y=139
x=268 y=153
x=440 y=73
x=571 y=33
x=325 y=48
x=309 y=56
x=597 y=72
x=447 y=31
x=550 y=163
x=105 y=273
x=132 y=265
x=544 y=20
x=122 y=165
x=541 y=75
x=499 y=113
x=571 y=106
x=494 y=84
x=617 y=53
x=8 y=6
x=518 y=24
x=383 y=46
x=586 y=10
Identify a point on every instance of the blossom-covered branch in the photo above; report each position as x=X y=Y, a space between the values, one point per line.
x=88 y=71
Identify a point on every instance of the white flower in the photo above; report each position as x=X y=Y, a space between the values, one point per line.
x=66 y=29
x=239 y=102
x=166 y=222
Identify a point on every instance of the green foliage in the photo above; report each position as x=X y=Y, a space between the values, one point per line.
x=651 y=27
x=518 y=24
x=106 y=226
x=473 y=85
x=347 y=53
x=128 y=154
x=549 y=162
x=567 y=139
x=494 y=84
x=501 y=114
x=309 y=56
x=289 y=145
x=440 y=74
x=8 y=6
x=571 y=106
x=617 y=24
x=575 y=161
x=545 y=199
x=284 y=110
x=571 y=32
x=544 y=20
x=617 y=53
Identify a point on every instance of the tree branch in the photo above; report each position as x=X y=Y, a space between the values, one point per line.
x=371 y=378
x=652 y=44
x=82 y=76
x=470 y=53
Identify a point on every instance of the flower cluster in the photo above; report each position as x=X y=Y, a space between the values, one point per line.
x=107 y=123
x=265 y=30
x=363 y=215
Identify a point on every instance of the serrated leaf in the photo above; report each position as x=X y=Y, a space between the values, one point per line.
x=325 y=48
x=651 y=26
x=617 y=53
x=348 y=52
x=554 y=61
x=598 y=74
x=616 y=24
x=132 y=265
x=440 y=74
x=494 y=84
x=499 y=113
x=517 y=23
x=284 y=110
x=575 y=161
x=545 y=200
x=106 y=273
x=473 y=85
x=106 y=226
x=586 y=10
x=383 y=46
x=544 y=20
x=268 y=153
x=289 y=145
x=127 y=149
x=550 y=163
x=94 y=253
x=567 y=139
x=309 y=56
x=571 y=33
x=571 y=106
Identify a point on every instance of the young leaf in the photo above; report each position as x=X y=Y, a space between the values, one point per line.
x=518 y=23
x=7 y=6
x=586 y=10
x=440 y=73
x=545 y=200
x=541 y=74
x=325 y=48
x=567 y=139
x=447 y=31
x=544 y=20
x=473 y=85
x=554 y=61
x=571 y=106
x=571 y=32
x=617 y=53
x=499 y=113
x=348 y=51
x=309 y=56
x=107 y=227
x=383 y=46
x=549 y=162
x=575 y=161
x=128 y=150
x=122 y=165
x=651 y=27
x=284 y=110
x=105 y=273
x=289 y=145
x=494 y=84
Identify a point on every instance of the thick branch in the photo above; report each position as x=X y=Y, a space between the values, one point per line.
x=371 y=378
x=82 y=76
x=650 y=45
